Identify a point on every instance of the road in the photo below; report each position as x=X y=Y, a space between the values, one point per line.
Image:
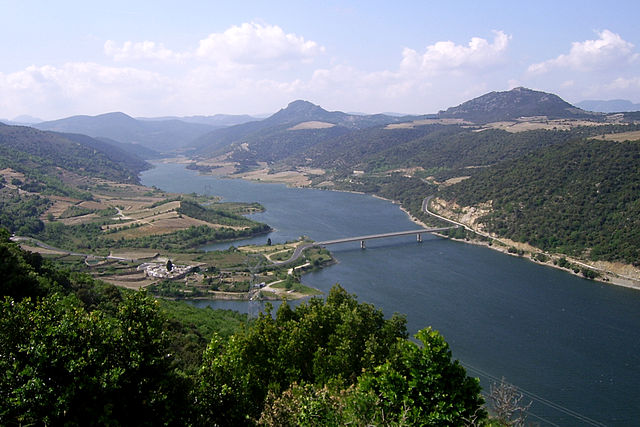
x=298 y=251
x=64 y=251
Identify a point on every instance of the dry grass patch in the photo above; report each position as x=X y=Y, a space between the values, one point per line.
x=536 y=123
x=136 y=255
x=620 y=137
x=292 y=178
x=314 y=124
x=43 y=251
x=162 y=224
x=93 y=205
x=129 y=284
x=82 y=219
x=58 y=207
x=455 y=180
x=423 y=122
x=10 y=174
x=145 y=212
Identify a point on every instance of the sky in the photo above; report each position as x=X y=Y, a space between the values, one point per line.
x=181 y=58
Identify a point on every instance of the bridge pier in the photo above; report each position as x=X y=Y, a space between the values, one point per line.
x=419 y=237
x=362 y=245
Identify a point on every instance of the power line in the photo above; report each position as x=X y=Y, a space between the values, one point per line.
x=540 y=399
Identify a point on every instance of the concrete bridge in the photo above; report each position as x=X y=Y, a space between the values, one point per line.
x=362 y=239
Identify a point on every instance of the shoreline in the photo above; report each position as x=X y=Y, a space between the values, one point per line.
x=607 y=277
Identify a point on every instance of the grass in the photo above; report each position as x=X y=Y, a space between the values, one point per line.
x=296 y=287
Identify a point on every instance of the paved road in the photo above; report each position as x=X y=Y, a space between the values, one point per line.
x=298 y=251
x=64 y=251
x=381 y=236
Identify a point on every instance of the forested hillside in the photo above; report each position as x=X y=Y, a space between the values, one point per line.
x=274 y=144
x=75 y=351
x=432 y=147
x=31 y=151
x=273 y=138
x=579 y=198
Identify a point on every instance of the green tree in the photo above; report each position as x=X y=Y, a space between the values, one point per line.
x=423 y=385
x=318 y=342
x=64 y=365
x=417 y=385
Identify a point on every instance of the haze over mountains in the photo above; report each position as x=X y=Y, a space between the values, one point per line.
x=217 y=120
x=611 y=106
x=209 y=135
x=162 y=135
x=306 y=134
x=402 y=158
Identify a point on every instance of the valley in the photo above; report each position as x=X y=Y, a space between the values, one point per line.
x=546 y=182
x=127 y=233
x=320 y=214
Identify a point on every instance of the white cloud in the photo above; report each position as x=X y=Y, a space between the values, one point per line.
x=256 y=43
x=421 y=82
x=139 y=50
x=79 y=88
x=625 y=83
x=239 y=48
x=445 y=56
x=241 y=70
x=610 y=49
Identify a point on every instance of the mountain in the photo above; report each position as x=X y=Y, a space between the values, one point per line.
x=293 y=129
x=611 y=106
x=162 y=135
x=26 y=119
x=215 y=121
x=30 y=150
x=578 y=198
x=513 y=104
x=135 y=150
x=23 y=120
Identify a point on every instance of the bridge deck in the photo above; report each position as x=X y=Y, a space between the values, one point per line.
x=382 y=235
x=298 y=251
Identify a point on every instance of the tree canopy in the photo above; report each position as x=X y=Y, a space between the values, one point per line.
x=77 y=351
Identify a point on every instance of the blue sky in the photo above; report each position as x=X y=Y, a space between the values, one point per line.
x=156 y=58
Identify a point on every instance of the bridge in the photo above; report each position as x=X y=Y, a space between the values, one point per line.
x=362 y=239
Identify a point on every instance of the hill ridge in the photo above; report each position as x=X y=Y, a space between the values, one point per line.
x=513 y=104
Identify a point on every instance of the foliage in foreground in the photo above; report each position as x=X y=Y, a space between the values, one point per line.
x=76 y=351
x=345 y=360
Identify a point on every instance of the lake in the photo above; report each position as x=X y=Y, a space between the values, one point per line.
x=571 y=345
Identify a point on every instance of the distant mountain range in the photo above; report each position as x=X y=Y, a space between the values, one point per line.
x=218 y=120
x=404 y=158
x=23 y=120
x=611 y=106
x=291 y=130
x=157 y=135
x=306 y=133
x=301 y=124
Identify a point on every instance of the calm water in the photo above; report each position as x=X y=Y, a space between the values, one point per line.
x=572 y=345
